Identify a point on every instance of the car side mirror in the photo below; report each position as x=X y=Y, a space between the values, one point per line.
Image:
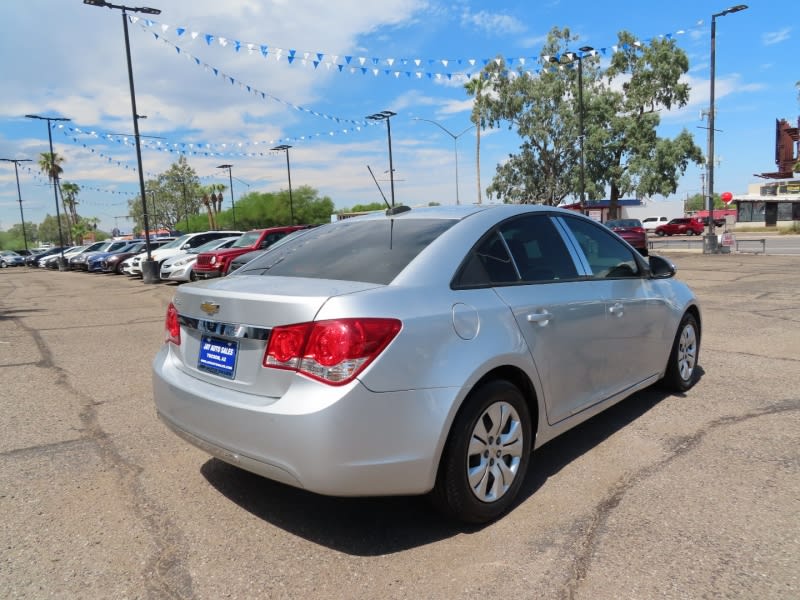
x=661 y=268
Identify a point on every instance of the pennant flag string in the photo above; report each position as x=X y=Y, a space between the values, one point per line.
x=397 y=67
x=250 y=89
x=37 y=176
x=236 y=149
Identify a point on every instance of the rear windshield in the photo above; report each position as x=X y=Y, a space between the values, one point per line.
x=373 y=251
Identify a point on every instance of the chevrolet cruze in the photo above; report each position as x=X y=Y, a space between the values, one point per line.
x=421 y=351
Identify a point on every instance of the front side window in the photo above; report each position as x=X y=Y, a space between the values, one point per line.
x=606 y=255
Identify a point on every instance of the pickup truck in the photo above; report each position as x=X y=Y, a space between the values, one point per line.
x=216 y=262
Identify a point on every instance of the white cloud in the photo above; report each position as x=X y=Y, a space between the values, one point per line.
x=494 y=23
x=776 y=37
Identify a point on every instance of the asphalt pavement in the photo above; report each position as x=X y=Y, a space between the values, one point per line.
x=694 y=495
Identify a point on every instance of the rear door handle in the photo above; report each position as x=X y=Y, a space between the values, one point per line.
x=542 y=317
x=616 y=309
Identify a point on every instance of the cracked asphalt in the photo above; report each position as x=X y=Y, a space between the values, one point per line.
x=661 y=496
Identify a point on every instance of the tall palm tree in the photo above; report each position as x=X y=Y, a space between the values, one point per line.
x=209 y=200
x=69 y=196
x=50 y=164
x=474 y=88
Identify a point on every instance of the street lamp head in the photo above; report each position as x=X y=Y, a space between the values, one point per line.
x=47 y=118
x=734 y=9
x=381 y=116
x=140 y=9
x=224 y=166
x=282 y=147
x=16 y=160
x=586 y=49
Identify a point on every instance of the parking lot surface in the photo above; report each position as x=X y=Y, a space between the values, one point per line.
x=661 y=496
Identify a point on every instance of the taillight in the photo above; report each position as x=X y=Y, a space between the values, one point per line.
x=334 y=351
x=172 y=326
x=638 y=229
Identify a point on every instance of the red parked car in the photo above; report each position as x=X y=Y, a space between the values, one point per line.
x=683 y=225
x=632 y=231
x=216 y=263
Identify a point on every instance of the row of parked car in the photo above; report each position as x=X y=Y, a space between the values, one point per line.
x=199 y=255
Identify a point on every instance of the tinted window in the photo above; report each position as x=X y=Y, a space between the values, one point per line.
x=522 y=250
x=374 y=251
x=607 y=256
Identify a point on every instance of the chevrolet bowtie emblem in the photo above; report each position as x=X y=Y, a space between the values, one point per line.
x=209 y=307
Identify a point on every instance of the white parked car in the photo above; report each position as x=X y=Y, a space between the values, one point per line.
x=181 y=266
x=51 y=262
x=650 y=223
x=176 y=246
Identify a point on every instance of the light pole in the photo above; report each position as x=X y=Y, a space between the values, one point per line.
x=581 y=130
x=230 y=179
x=386 y=115
x=149 y=266
x=710 y=241
x=582 y=50
x=62 y=262
x=286 y=147
x=153 y=200
x=455 y=144
x=185 y=204
x=16 y=161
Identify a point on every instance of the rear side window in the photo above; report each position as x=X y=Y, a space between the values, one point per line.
x=373 y=251
x=523 y=250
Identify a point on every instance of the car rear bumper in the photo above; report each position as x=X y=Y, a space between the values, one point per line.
x=339 y=441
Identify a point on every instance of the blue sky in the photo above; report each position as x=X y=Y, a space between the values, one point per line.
x=63 y=58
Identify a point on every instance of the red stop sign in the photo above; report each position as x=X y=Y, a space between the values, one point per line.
x=726 y=197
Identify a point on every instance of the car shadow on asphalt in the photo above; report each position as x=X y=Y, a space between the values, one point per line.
x=378 y=526
x=16 y=313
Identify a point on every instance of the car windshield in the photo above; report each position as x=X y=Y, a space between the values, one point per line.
x=624 y=223
x=177 y=243
x=372 y=251
x=248 y=239
x=210 y=245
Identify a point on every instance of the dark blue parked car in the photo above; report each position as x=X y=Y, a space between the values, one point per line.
x=95 y=262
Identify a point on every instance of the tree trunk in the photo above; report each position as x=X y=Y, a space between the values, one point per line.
x=613 y=204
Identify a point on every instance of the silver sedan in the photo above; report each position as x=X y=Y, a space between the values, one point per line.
x=421 y=351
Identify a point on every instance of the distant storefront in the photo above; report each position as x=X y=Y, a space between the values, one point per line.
x=772 y=204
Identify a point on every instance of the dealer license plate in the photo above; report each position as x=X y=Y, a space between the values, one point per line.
x=218 y=356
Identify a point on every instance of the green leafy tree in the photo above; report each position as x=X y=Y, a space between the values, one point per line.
x=48 y=229
x=173 y=199
x=371 y=207
x=544 y=113
x=698 y=202
x=627 y=154
x=623 y=152
x=259 y=209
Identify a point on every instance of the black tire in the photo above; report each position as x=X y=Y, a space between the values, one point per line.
x=681 y=373
x=498 y=469
x=192 y=275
